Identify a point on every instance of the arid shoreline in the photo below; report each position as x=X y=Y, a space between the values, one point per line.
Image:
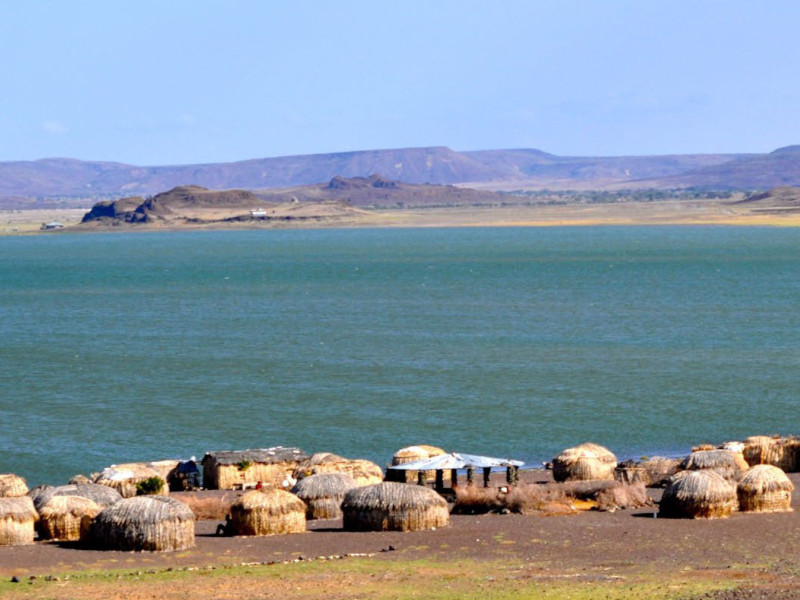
x=625 y=554
x=567 y=215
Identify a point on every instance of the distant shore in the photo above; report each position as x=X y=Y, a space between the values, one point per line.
x=19 y=222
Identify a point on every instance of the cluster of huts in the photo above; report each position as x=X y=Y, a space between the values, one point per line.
x=128 y=507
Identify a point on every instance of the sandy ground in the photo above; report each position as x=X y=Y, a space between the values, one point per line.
x=31 y=221
x=754 y=552
x=633 y=213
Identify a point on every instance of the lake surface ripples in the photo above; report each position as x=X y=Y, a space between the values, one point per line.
x=500 y=341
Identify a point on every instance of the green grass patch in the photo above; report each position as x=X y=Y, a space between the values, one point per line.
x=375 y=579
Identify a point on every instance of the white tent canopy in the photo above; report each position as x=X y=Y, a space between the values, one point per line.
x=456 y=460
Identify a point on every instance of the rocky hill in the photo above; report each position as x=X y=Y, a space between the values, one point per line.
x=340 y=198
x=81 y=183
x=750 y=172
x=778 y=200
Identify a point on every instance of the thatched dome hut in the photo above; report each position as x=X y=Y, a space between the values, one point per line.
x=418 y=452
x=17 y=518
x=393 y=506
x=585 y=462
x=102 y=495
x=701 y=494
x=659 y=469
x=66 y=518
x=125 y=478
x=229 y=469
x=268 y=512
x=729 y=465
x=149 y=523
x=763 y=450
x=12 y=486
x=362 y=471
x=765 y=488
x=323 y=494
x=791 y=455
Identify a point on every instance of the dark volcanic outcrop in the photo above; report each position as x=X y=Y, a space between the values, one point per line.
x=177 y=200
x=360 y=183
x=340 y=198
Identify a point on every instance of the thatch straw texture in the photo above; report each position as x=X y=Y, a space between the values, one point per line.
x=12 y=486
x=765 y=488
x=101 y=495
x=660 y=469
x=791 y=455
x=763 y=450
x=273 y=511
x=630 y=472
x=124 y=478
x=623 y=496
x=418 y=452
x=392 y=506
x=226 y=470
x=39 y=492
x=323 y=494
x=703 y=447
x=701 y=494
x=66 y=518
x=729 y=465
x=362 y=471
x=583 y=463
x=144 y=523
x=17 y=518
x=166 y=469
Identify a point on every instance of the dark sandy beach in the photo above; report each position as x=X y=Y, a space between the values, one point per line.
x=752 y=551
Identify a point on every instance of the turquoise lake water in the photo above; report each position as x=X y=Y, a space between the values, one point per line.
x=500 y=341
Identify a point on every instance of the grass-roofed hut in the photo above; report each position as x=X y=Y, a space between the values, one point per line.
x=394 y=506
x=765 y=488
x=231 y=469
x=127 y=479
x=702 y=494
x=17 y=518
x=763 y=450
x=586 y=462
x=323 y=494
x=414 y=453
x=12 y=486
x=724 y=462
x=269 y=512
x=652 y=472
x=102 y=495
x=364 y=472
x=144 y=523
x=66 y=518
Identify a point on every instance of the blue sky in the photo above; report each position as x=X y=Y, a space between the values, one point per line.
x=176 y=82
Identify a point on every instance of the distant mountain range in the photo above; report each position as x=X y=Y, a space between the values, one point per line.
x=62 y=181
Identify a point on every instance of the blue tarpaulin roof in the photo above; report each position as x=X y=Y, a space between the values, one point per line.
x=456 y=460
